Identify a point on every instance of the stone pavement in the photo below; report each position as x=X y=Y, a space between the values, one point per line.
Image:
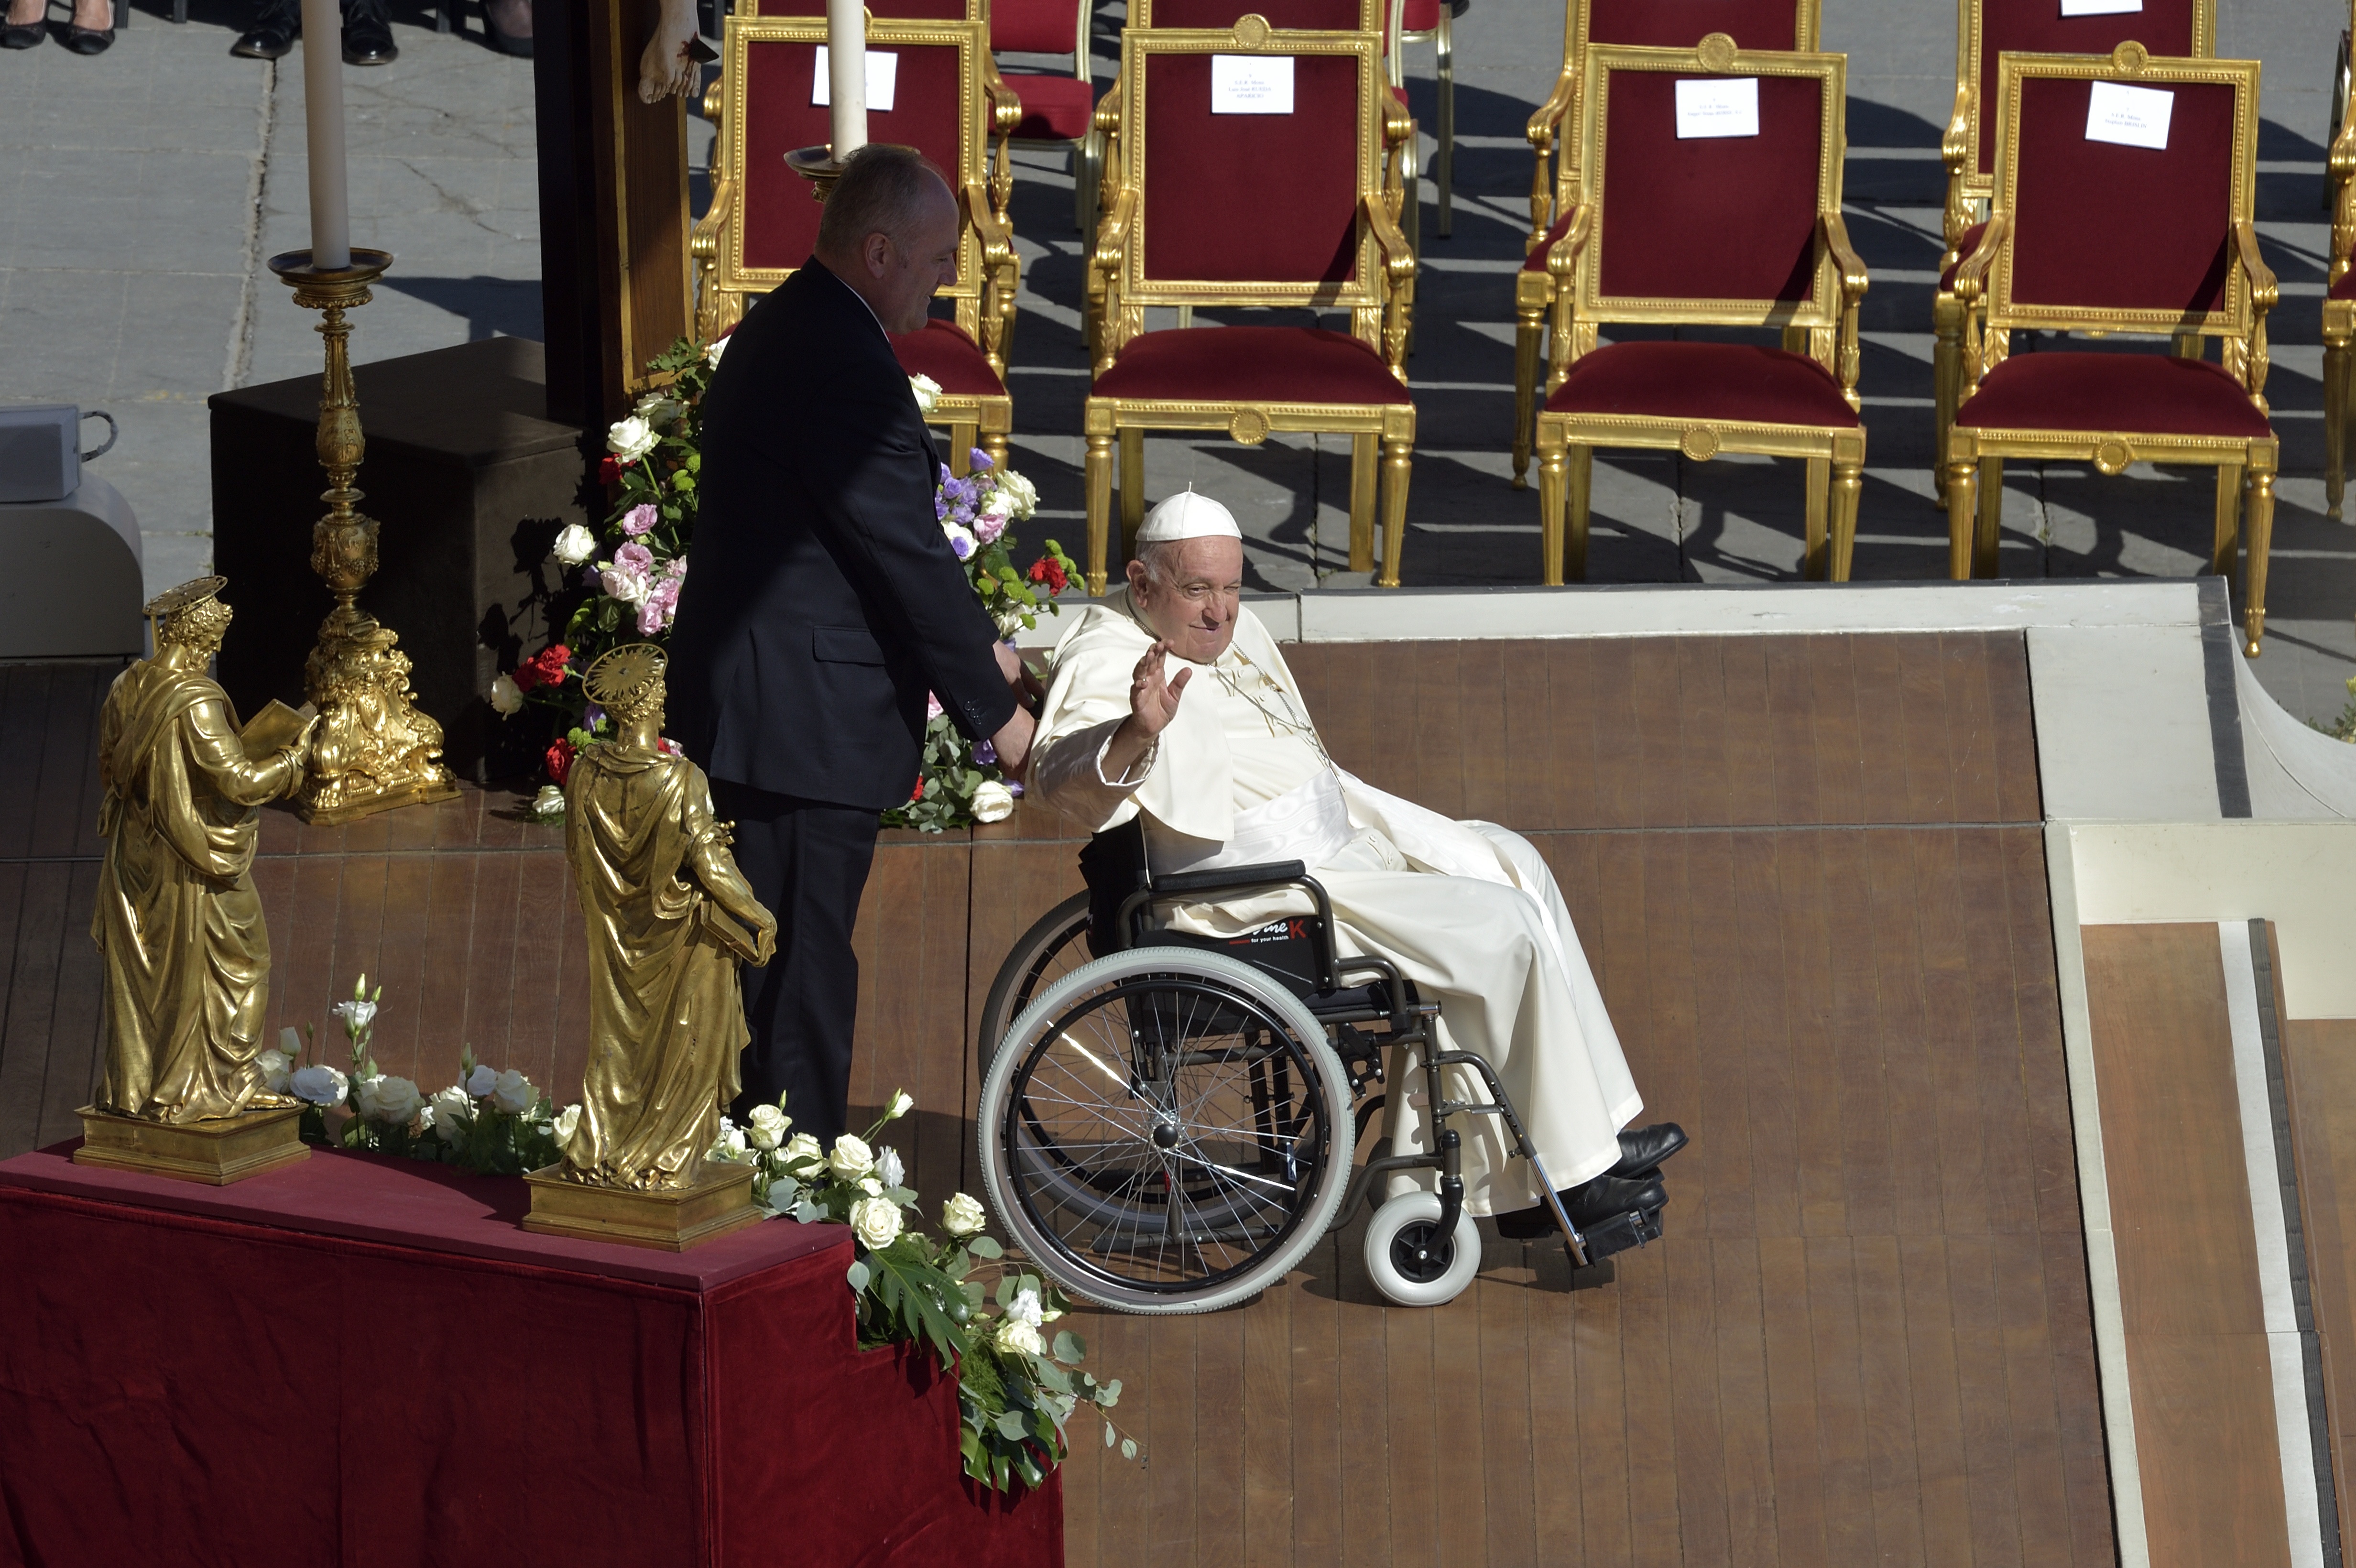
x=141 y=192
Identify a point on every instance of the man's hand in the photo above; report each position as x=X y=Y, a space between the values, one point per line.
x=1013 y=744
x=1153 y=703
x=1027 y=689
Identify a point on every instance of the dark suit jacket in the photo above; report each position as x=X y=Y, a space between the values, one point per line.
x=821 y=600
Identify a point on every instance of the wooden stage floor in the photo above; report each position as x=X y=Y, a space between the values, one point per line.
x=1808 y=873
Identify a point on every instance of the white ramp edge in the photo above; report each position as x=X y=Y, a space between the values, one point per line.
x=2295 y=771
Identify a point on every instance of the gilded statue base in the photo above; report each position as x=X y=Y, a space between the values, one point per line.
x=216 y=1152
x=720 y=1201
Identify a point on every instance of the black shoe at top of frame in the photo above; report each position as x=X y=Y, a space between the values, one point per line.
x=13 y=36
x=1590 y=1204
x=368 y=36
x=1644 y=1148
x=506 y=43
x=270 y=38
x=89 y=40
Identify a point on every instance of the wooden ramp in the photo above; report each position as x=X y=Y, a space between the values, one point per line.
x=1808 y=873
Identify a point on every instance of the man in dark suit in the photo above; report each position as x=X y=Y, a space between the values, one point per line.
x=823 y=603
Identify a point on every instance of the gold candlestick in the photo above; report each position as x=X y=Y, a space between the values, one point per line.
x=818 y=166
x=374 y=751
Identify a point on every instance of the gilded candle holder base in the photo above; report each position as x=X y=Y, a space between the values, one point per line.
x=374 y=751
x=217 y=1152
x=720 y=1201
x=816 y=166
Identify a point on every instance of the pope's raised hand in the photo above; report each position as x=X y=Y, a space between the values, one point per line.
x=1152 y=695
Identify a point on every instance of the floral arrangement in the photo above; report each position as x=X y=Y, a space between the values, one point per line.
x=2344 y=727
x=1019 y=1380
x=629 y=572
x=492 y=1123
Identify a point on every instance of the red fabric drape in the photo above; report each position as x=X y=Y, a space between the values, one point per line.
x=194 y=1384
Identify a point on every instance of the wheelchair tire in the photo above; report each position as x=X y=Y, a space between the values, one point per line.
x=1238 y=1205
x=1048 y=950
x=1408 y=1265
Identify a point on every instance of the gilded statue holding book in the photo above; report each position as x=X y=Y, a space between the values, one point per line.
x=670 y=918
x=178 y=923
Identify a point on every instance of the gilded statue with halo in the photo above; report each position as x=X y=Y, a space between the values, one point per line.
x=178 y=922
x=670 y=917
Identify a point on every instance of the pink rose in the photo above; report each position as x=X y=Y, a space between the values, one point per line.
x=641 y=518
x=933 y=708
x=634 y=558
x=660 y=604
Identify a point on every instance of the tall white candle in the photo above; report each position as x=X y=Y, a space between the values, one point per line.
x=323 y=97
x=846 y=70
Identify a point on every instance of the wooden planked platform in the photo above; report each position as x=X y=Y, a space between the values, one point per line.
x=1807 y=873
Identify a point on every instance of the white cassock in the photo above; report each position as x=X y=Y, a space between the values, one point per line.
x=1467 y=910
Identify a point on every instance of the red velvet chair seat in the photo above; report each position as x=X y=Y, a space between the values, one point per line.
x=1055 y=108
x=1535 y=260
x=1250 y=365
x=1420 y=15
x=1702 y=382
x=941 y=350
x=2129 y=392
x=1970 y=242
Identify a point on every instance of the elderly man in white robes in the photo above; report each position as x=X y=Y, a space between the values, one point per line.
x=1171 y=701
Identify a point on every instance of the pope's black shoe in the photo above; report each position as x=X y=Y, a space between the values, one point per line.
x=273 y=34
x=89 y=40
x=1643 y=1148
x=367 y=36
x=25 y=35
x=1604 y=1198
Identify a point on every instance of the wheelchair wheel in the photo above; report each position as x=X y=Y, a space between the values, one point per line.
x=1056 y=944
x=1410 y=1261
x=1165 y=1131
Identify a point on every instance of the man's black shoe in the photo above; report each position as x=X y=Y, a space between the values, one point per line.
x=1591 y=1204
x=368 y=36
x=273 y=34
x=1643 y=1148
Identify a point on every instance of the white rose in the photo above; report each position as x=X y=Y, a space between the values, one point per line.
x=927 y=390
x=1018 y=1337
x=425 y=1117
x=481 y=1082
x=454 y=1113
x=711 y=354
x=575 y=544
x=567 y=1120
x=870 y=1186
x=888 y=1169
x=655 y=409
x=766 y=1131
x=729 y=1147
x=993 y=802
x=802 y=1149
x=1024 y=1307
x=630 y=439
x=549 y=802
x=962 y=1217
x=319 y=1085
x=852 y=1157
x=512 y=1091
x=1023 y=494
x=506 y=696
x=275 y=1068
x=390 y=1100
x=621 y=582
x=356 y=1015
x=876 y=1222
x=902 y=1103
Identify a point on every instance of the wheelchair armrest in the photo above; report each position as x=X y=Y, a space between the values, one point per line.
x=1240 y=879
x=1231 y=876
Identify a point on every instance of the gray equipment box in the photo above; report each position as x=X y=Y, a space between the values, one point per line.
x=41 y=450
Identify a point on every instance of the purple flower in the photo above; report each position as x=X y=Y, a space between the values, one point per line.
x=944 y=474
x=661 y=603
x=590 y=717
x=640 y=519
x=591 y=577
x=985 y=754
x=980 y=461
x=635 y=557
x=1014 y=786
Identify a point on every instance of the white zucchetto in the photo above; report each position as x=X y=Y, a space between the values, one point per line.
x=1187 y=516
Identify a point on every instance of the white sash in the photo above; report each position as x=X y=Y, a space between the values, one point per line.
x=1310 y=823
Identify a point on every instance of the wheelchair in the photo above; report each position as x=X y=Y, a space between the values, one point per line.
x=1168 y=1121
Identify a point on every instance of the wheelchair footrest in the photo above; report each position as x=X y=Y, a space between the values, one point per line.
x=1620 y=1233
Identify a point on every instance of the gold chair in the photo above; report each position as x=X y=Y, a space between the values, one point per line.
x=2339 y=298
x=1057 y=111
x=1429 y=22
x=762 y=222
x=1553 y=132
x=2095 y=237
x=1253 y=210
x=1986 y=31
x=1710 y=230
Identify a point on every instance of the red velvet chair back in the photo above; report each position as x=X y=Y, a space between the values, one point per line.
x=2121 y=232
x=887 y=10
x=1682 y=24
x=1260 y=208
x=2175 y=28
x=1724 y=226
x=1038 y=26
x=1291 y=15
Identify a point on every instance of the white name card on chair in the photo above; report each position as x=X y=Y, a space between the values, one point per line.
x=2100 y=7
x=1717 y=106
x=1251 y=84
x=2130 y=116
x=882 y=74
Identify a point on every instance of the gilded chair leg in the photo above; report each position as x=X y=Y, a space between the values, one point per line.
x=1820 y=485
x=1848 y=488
x=2222 y=551
x=1551 y=482
x=2261 y=483
x=1398 y=462
x=1991 y=515
x=1962 y=488
x=963 y=438
x=1529 y=340
x=1445 y=42
x=2339 y=360
x=993 y=444
x=1099 y=477
x=1133 y=489
x=1946 y=377
x=1579 y=481
x=1365 y=470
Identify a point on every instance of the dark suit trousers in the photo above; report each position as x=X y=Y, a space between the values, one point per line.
x=808 y=861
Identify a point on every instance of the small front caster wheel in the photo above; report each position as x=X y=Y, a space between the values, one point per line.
x=1412 y=1263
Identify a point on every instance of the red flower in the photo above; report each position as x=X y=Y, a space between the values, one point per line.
x=559 y=760
x=1050 y=571
x=918 y=793
x=609 y=470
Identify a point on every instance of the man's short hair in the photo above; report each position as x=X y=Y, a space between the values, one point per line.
x=879 y=191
